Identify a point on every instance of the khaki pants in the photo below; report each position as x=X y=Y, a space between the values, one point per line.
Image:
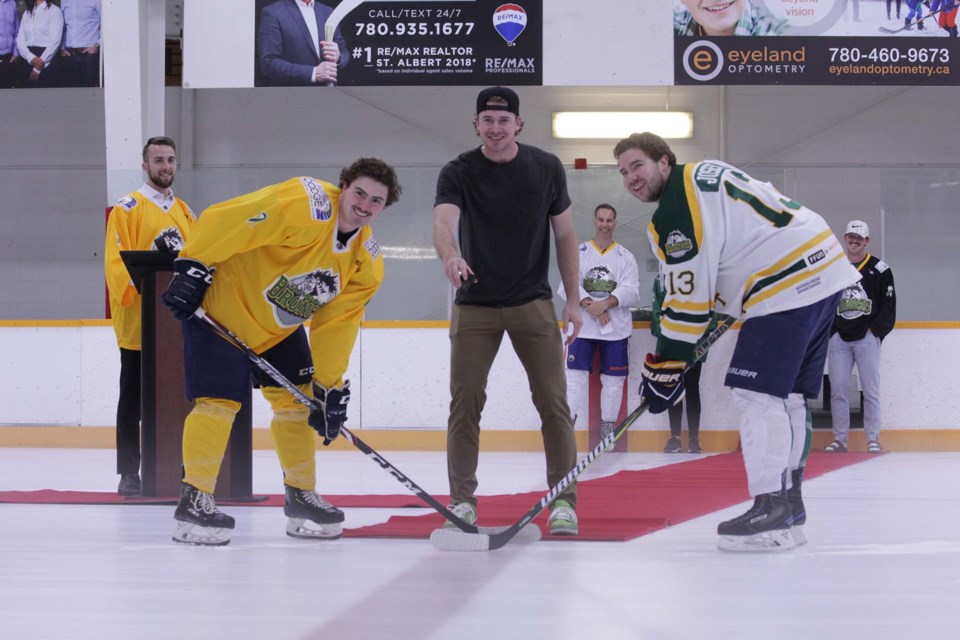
x=475 y=336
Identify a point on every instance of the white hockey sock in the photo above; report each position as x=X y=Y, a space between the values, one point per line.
x=578 y=383
x=611 y=397
x=765 y=435
x=797 y=411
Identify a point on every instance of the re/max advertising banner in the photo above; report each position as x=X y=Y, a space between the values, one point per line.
x=816 y=42
x=402 y=42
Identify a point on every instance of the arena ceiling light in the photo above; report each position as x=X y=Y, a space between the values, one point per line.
x=614 y=125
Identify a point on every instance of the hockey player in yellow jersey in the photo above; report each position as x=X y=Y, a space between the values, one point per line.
x=727 y=242
x=149 y=219
x=263 y=264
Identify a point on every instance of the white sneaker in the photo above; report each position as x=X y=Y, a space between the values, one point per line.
x=563 y=519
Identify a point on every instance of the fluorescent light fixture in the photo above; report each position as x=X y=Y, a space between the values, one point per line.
x=614 y=125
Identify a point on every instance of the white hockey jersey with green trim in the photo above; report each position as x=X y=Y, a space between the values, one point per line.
x=729 y=243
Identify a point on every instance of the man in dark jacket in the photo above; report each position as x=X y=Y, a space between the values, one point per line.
x=867 y=313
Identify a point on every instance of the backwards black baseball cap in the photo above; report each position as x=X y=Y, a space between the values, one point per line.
x=509 y=95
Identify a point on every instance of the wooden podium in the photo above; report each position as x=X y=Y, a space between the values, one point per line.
x=163 y=403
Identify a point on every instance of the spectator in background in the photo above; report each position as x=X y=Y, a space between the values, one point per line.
x=691 y=382
x=609 y=285
x=9 y=24
x=81 y=43
x=867 y=313
x=38 y=42
x=149 y=219
x=287 y=56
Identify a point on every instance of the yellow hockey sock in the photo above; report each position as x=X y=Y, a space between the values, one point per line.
x=205 y=435
x=293 y=438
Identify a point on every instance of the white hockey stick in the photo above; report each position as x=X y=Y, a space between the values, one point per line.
x=453 y=540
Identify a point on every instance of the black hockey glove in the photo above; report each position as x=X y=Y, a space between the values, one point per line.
x=190 y=282
x=330 y=410
x=662 y=384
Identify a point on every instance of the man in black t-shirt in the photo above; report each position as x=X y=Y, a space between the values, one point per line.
x=502 y=199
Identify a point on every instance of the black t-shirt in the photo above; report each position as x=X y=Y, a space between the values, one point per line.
x=505 y=211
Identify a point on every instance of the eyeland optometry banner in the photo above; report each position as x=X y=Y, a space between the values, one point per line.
x=816 y=42
x=409 y=42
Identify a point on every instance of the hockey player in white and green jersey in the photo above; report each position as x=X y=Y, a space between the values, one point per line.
x=730 y=244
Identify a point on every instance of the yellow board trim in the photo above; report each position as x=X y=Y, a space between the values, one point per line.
x=490 y=440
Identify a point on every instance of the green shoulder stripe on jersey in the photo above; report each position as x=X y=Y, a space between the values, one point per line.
x=769 y=281
x=676 y=224
x=693 y=318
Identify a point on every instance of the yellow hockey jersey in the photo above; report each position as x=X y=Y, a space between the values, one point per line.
x=278 y=262
x=136 y=223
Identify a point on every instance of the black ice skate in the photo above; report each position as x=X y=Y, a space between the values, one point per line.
x=310 y=516
x=198 y=519
x=798 y=514
x=765 y=527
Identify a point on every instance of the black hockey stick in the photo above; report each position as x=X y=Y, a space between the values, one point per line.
x=906 y=27
x=452 y=540
x=307 y=401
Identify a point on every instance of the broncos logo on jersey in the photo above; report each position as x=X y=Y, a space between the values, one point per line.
x=599 y=283
x=296 y=299
x=168 y=241
x=854 y=303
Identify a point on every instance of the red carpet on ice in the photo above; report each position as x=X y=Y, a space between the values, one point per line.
x=620 y=507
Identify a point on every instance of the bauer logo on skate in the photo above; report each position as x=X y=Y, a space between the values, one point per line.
x=509 y=20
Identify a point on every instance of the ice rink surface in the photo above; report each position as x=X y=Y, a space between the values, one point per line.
x=883 y=563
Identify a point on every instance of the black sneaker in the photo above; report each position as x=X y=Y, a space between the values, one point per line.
x=673 y=446
x=694 y=446
x=129 y=486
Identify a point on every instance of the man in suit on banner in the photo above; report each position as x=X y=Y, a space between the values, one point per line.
x=292 y=51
